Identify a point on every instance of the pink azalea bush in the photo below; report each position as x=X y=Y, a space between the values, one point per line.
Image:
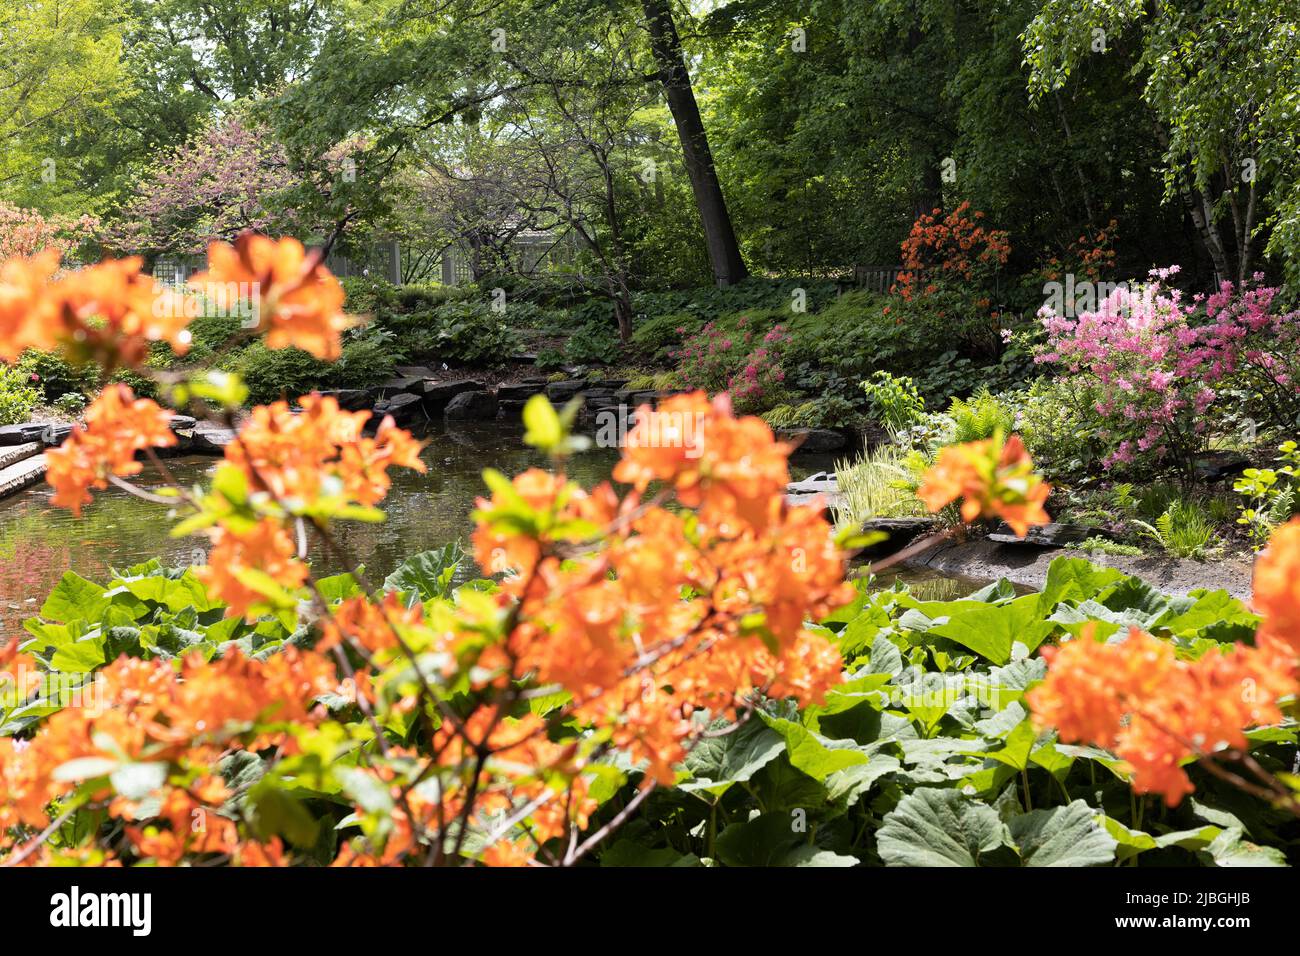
x=1163 y=364
x=739 y=361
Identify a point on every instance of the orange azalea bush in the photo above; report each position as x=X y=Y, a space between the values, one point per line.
x=638 y=623
x=993 y=478
x=1159 y=712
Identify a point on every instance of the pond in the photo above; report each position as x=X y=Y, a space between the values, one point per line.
x=39 y=542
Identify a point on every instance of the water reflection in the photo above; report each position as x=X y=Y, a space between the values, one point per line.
x=39 y=542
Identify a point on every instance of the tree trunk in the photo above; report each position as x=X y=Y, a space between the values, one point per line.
x=719 y=236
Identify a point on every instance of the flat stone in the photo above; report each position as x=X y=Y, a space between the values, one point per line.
x=478 y=405
x=438 y=394
x=519 y=391
x=350 y=399
x=415 y=371
x=21 y=475
x=1054 y=535
x=404 y=408
x=20 y=434
x=211 y=439
x=12 y=454
x=402 y=384
x=182 y=423
x=819 y=440
x=55 y=432
x=563 y=391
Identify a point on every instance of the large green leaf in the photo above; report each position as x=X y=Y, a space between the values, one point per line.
x=716 y=763
x=1062 y=836
x=74 y=599
x=993 y=630
x=428 y=574
x=932 y=827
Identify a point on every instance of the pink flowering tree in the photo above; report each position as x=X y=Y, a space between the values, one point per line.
x=228 y=178
x=1162 y=364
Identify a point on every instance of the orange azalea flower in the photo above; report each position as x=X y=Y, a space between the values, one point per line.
x=299 y=302
x=106 y=313
x=293 y=455
x=992 y=478
x=116 y=311
x=118 y=425
x=1276 y=585
x=1155 y=711
x=26 y=322
x=266 y=548
x=728 y=467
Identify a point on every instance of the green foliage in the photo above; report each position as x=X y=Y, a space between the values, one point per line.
x=1058 y=425
x=18 y=395
x=828 y=412
x=70 y=403
x=880 y=484
x=56 y=376
x=927 y=754
x=1099 y=545
x=1269 y=494
x=894 y=401
x=1182 y=530
x=980 y=417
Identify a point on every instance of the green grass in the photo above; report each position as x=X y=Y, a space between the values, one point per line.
x=878 y=485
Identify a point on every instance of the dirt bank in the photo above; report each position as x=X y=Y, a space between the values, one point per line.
x=988 y=560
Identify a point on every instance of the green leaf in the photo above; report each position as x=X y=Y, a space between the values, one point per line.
x=716 y=763
x=542 y=425
x=1062 y=836
x=1075 y=579
x=428 y=574
x=75 y=599
x=272 y=811
x=992 y=630
x=932 y=827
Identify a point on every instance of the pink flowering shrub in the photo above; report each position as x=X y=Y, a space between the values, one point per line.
x=739 y=361
x=1162 y=363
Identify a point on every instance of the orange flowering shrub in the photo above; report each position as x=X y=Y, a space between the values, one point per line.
x=478 y=724
x=118 y=426
x=991 y=478
x=1156 y=711
x=950 y=263
x=1277 y=585
x=108 y=313
x=298 y=302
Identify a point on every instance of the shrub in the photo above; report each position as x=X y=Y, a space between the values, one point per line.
x=368 y=359
x=951 y=264
x=71 y=403
x=746 y=363
x=272 y=374
x=894 y=402
x=827 y=412
x=19 y=394
x=57 y=376
x=1160 y=371
x=658 y=337
x=1059 y=425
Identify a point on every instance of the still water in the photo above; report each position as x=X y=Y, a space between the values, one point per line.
x=39 y=542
